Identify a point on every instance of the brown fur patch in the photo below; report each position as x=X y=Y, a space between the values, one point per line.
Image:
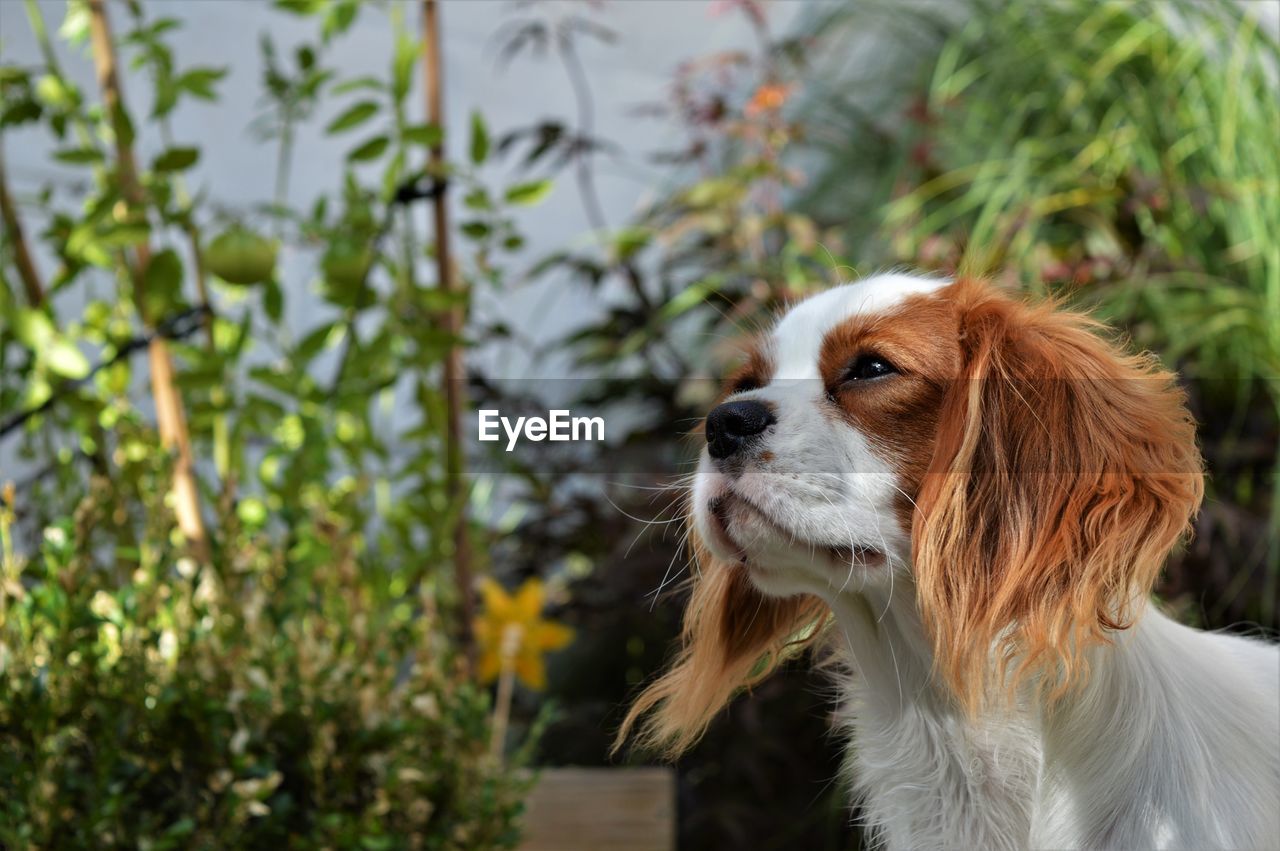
x=898 y=413
x=734 y=636
x=1063 y=473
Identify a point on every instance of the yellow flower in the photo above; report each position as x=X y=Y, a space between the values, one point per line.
x=512 y=629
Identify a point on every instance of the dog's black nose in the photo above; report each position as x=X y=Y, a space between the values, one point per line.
x=730 y=425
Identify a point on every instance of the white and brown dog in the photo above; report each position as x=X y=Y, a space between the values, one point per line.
x=970 y=497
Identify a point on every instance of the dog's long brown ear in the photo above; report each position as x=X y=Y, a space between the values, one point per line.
x=1064 y=473
x=733 y=637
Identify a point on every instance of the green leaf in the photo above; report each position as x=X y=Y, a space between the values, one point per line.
x=20 y=112
x=691 y=296
x=164 y=271
x=75 y=26
x=402 y=66
x=478 y=199
x=475 y=230
x=371 y=149
x=528 y=193
x=479 y=139
x=273 y=301
x=338 y=18
x=64 y=359
x=427 y=135
x=38 y=392
x=163 y=284
x=199 y=82
x=352 y=117
x=124 y=235
x=356 y=83
x=300 y=7
x=166 y=98
x=321 y=338
x=176 y=159
x=629 y=240
x=122 y=124
x=78 y=156
x=55 y=92
x=33 y=328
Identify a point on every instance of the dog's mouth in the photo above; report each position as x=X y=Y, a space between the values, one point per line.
x=729 y=508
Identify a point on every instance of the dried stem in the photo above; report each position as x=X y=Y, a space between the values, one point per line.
x=170 y=416
x=453 y=321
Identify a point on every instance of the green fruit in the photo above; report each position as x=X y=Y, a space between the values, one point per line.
x=345 y=266
x=240 y=256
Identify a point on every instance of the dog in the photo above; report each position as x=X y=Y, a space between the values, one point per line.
x=968 y=497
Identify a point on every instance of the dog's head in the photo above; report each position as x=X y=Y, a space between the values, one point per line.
x=1017 y=471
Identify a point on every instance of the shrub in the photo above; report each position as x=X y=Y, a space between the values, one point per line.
x=275 y=703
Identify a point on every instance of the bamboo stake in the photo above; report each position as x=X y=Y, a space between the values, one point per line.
x=21 y=252
x=507 y=650
x=453 y=321
x=170 y=417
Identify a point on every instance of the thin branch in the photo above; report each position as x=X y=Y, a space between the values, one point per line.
x=586 y=129
x=584 y=169
x=21 y=252
x=456 y=489
x=176 y=327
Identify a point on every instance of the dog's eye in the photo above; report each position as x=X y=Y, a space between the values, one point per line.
x=744 y=384
x=867 y=367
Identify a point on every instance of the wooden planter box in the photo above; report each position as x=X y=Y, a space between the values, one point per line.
x=591 y=809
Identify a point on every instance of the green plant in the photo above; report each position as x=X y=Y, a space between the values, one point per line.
x=277 y=701
x=229 y=615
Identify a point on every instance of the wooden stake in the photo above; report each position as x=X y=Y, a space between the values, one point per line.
x=170 y=417
x=453 y=320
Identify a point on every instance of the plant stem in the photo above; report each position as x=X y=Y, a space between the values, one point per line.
x=283 y=162
x=21 y=252
x=170 y=416
x=509 y=646
x=586 y=128
x=456 y=489
x=218 y=395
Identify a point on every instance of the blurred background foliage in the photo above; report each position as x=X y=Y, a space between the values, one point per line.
x=277 y=656
x=281 y=652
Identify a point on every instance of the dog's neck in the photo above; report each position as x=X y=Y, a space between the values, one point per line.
x=1135 y=759
x=926 y=776
x=1126 y=760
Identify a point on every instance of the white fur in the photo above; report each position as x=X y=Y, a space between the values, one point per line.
x=1173 y=743
x=798 y=335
